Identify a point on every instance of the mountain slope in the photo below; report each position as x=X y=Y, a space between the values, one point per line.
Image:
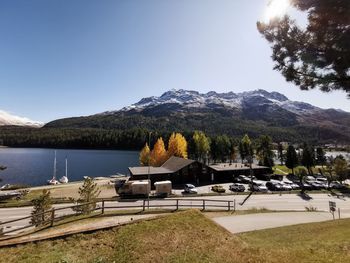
x=7 y=119
x=254 y=112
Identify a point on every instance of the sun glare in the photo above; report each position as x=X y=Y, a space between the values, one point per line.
x=276 y=8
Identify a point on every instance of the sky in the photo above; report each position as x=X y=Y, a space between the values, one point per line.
x=64 y=58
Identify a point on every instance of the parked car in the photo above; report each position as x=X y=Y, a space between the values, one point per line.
x=274 y=186
x=286 y=187
x=252 y=177
x=305 y=186
x=309 y=179
x=190 y=189
x=237 y=188
x=293 y=185
x=258 y=186
x=318 y=186
x=239 y=178
x=336 y=185
x=322 y=180
x=242 y=179
x=218 y=189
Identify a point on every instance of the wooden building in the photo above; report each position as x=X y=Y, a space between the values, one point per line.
x=224 y=172
x=181 y=171
x=178 y=170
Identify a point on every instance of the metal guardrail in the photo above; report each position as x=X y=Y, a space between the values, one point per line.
x=173 y=204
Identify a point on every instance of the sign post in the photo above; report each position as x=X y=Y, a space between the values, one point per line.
x=332 y=207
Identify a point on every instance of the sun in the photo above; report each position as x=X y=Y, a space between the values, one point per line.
x=276 y=8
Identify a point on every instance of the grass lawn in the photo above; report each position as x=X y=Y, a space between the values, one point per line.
x=26 y=200
x=315 y=242
x=278 y=168
x=191 y=237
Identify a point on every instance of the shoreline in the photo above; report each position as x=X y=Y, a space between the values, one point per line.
x=65 y=148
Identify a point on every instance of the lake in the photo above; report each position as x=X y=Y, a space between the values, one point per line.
x=35 y=166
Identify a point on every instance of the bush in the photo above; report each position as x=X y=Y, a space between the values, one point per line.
x=41 y=206
x=88 y=194
x=310 y=208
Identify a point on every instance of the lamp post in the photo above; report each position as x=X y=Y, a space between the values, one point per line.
x=250 y=161
x=149 y=167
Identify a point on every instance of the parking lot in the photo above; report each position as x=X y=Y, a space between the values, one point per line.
x=310 y=183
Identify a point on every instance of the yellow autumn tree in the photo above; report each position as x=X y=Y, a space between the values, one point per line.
x=177 y=145
x=158 y=154
x=145 y=155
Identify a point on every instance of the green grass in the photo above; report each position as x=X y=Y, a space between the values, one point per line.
x=287 y=170
x=191 y=237
x=26 y=200
x=316 y=242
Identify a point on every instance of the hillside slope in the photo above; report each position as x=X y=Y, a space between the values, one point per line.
x=255 y=112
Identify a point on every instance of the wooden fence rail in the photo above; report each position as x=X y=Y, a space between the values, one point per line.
x=103 y=205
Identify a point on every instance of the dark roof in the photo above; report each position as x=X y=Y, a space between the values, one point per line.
x=176 y=163
x=172 y=165
x=142 y=170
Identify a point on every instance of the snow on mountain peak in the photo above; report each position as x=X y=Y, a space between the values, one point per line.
x=190 y=98
x=230 y=100
x=9 y=119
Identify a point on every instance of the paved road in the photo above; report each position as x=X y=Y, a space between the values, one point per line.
x=251 y=222
x=270 y=201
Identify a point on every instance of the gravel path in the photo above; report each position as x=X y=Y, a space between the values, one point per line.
x=251 y=222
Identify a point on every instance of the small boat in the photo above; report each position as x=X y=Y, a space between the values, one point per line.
x=53 y=181
x=64 y=179
x=10 y=195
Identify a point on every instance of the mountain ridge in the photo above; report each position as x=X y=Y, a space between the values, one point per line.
x=228 y=98
x=7 y=119
x=232 y=113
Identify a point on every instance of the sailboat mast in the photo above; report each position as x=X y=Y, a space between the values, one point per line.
x=54 y=167
x=66 y=168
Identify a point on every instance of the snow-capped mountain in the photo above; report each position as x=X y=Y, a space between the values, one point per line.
x=193 y=99
x=9 y=119
x=254 y=112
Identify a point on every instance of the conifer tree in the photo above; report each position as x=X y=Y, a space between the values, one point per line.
x=291 y=158
x=88 y=193
x=40 y=205
x=280 y=153
x=264 y=151
x=307 y=158
x=320 y=156
x=158 y=154
x=145 y=155
x=317 y=54
x=341 y=168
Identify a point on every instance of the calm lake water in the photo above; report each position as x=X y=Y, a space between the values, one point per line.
x=35 y=166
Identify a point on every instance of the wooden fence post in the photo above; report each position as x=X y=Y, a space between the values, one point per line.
x=229 y=205
x=234 y=205
x=143 y=205
x=103 y=206
x=177 y=204
x=203 y=204
x=52 y=216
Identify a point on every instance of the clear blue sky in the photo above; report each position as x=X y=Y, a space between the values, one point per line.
x=71 y=58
